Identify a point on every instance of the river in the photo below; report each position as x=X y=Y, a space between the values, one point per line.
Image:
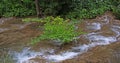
x=101 y=44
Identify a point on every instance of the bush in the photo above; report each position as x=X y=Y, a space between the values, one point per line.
x=65 y=8
x=116 y=12
x=10 y=8
x=116 y=8
x=58 y=29
x=88 y=8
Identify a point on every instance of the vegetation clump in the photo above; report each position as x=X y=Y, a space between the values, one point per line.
x=58 y=29
x=32 y=20
x=66 y=8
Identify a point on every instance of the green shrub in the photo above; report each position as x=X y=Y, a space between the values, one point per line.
x=88 y=8
x=58 y=29
x=116 y=8
x=65 y=8
x=10 y=8
x=116 y=12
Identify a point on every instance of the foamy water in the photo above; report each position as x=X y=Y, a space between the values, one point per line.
x=3 y=29
x=95 y=39
x=116 y=29
x=25 y=55
x=94 y=26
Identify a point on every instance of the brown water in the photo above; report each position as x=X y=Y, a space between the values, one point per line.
x=101 y=44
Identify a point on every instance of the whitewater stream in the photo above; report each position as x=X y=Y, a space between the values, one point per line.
x=15 y=37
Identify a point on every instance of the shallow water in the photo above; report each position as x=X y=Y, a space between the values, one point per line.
x=101 y=31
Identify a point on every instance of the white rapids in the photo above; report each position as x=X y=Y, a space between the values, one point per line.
x=94 y=38
x=94 y=26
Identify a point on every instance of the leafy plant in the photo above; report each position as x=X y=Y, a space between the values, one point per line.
x=47 y=19
x=10 y=8
x=116 y=11
x=58 y=29
x=66 y=8
x=32 y=20
x=88 y=8
x=116 y=8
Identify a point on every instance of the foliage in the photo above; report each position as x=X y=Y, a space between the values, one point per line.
x=88 y=8
x=65 y=8
x=32 y=20
x=116 y=11
x=47 y=19
x=58 y=29
x=116 y=8
x=16 y=8
x=49 y=7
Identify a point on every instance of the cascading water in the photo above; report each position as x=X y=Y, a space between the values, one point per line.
x=94 y=26
x=94 y=38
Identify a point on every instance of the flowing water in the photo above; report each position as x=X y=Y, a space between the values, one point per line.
x=102 y=32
